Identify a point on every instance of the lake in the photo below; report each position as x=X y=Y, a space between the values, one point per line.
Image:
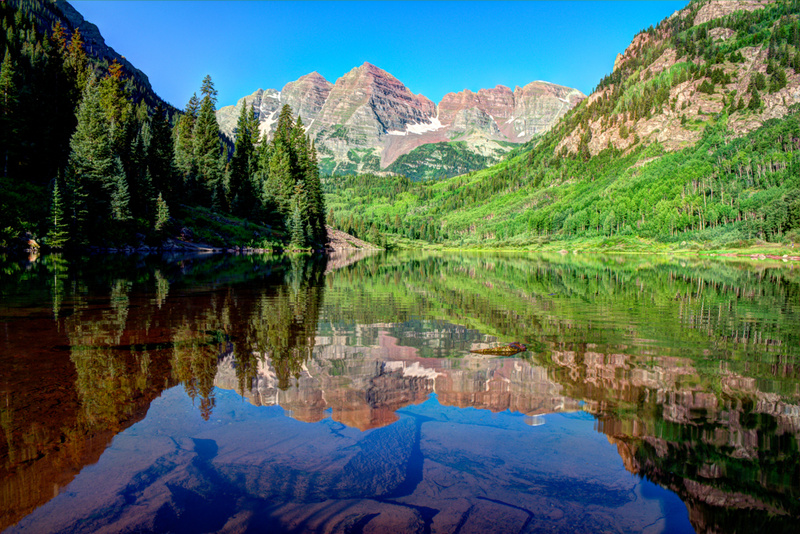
x=228 y=393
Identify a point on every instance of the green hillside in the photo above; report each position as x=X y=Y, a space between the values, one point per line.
x=726 y=175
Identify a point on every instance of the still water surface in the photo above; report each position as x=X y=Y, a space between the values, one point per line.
x=275 y=394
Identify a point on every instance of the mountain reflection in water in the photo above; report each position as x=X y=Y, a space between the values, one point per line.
x=153 y=393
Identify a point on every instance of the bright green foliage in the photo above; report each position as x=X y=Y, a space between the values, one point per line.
x=58 y=236
x=162 y=213
x=722 y=190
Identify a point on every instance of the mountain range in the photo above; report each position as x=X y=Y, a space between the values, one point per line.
x=368 y=121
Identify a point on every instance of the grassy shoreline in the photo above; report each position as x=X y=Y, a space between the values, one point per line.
x=621 y=245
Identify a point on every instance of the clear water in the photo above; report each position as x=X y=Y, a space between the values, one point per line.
x=275 y=394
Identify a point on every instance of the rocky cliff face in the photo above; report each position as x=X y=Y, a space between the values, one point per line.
x=368 y=118
x=667 y=89
x=46 y=14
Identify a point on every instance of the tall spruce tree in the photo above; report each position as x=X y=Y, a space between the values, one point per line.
x=160 y=157
x=208 y=148
x=8 y=110
x=58 y=236
x=241 y=190
x=184 y=141
x=91 y=168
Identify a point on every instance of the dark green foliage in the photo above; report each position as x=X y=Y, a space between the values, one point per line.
x=241 y=189
x=184 y=141
x=104 y=165
x=208 y=149
x=755 y=101
x=706 y=87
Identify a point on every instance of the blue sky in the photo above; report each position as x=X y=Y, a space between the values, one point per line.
x=432 y=47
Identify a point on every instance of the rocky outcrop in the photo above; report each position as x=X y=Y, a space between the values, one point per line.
x=719 y=8
x=678 y=119
x=368 y=118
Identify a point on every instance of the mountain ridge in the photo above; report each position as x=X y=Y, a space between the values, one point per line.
x=368 y=118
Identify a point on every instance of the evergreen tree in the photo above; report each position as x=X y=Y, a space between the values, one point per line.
x=241 y=190
x=76 y=60
x=315 y=199
x=119 y=194
x=112 y=95
x=162 y=213
x=281 y=182
x=160 y=157
x=91 y=167
x=755 y=101
x=297 y=225
x=208 y=148
x=58 y=236
x=184 y=140
x=8 y=107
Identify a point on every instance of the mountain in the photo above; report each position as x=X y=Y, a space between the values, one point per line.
x=47 y=13
x=691 y=141
x=368 y=119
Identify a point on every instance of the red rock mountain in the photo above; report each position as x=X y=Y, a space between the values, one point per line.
x=368 y=118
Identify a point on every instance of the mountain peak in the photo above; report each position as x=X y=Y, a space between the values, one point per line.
x=314 y=76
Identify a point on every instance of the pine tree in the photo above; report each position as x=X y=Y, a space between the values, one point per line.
x=316 y=201
x=113 y=97
x=297 y=225
x=161 y=155
x=208 y=91
x=91 y=166
x=76 y=60
x=755 y=101
x=242 y=193
x=58 y=236
x=162 y=214
x=8 y=108
x=119 y=194
x=207 y=147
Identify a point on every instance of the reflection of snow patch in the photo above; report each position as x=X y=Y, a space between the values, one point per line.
x=521 y=133
x=417 y=371
x=276 y=96
x=432 y=126
x=510 y=120
x=564 y=100
x=393 y=366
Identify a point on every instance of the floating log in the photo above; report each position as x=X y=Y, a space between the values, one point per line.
x=505 y=350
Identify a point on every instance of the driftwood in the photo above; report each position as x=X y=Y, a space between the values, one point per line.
x=505 y=350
